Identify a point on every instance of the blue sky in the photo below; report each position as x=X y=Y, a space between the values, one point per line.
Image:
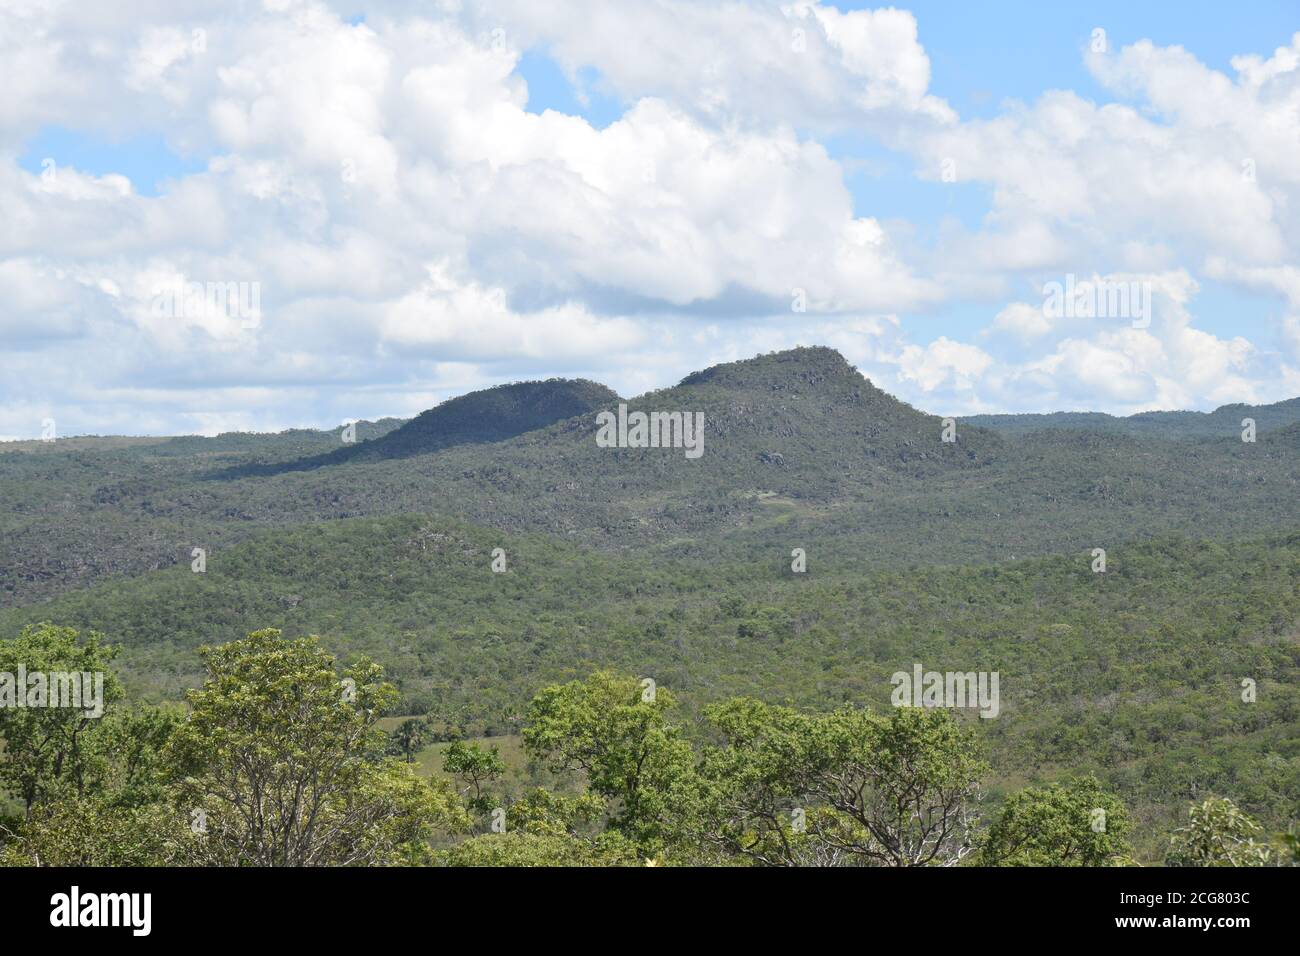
x=145 y=159
x=981 y=54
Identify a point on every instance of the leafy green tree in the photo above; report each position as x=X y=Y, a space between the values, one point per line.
x=123 y=817
x=281 y=759
x=48 y=748
x=615 y=732
x=1064 y=824
x=909 y=783
x=553 y=814
x=89 y=831
x=408 y=738
x=1290 y=846
x=1218 y=834
x=134 y=740
x=474 y=768
x=754 y=790
x=845 y=788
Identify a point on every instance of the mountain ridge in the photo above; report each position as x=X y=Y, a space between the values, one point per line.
x=482 y=416
x=1173 y=423
x=796 y=444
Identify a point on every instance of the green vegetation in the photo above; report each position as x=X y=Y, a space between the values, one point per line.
x=279 y=761
x=1169 y=678
x=1219 y=834
x=490 y=415
x=52 y=748
x=1224 y=420
x=1074 y=824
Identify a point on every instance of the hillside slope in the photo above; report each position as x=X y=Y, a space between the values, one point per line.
x=799 y=449
x=487 y=415
x=1133 y=675
x=1224 y=421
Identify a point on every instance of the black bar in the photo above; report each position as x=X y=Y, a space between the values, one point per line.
x=337 y=905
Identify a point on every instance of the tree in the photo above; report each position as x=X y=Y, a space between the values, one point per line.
x=1064 y=824
x=409 y=737
x=615 y=732
x=473 y=767
x=89 y=831
x=122 y=817
x=553 y=814
x=906 y=784
x=280 y=759
x=754 y=798
x=134 y=741
x=50 y=747
x=1218 y=834
x=845 y=788
x=1290 y=846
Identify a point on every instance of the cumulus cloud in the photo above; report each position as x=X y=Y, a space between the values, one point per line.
x=1126 y=363
x=1202 y=167
x=1022 y=320
x=763 y=63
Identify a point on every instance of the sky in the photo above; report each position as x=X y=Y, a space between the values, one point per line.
x=232 y=215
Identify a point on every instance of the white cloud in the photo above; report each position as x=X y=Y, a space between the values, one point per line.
x=451 y=318
x=1201 y=167
x=943 y=362
x=1125 y=364
x=763 y=63
x=1023 y=320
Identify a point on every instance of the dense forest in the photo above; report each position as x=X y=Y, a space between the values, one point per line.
x=552 y=652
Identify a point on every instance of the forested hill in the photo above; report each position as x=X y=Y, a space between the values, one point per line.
x=796 y=444
x=488 y=415
x=1223 y=421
